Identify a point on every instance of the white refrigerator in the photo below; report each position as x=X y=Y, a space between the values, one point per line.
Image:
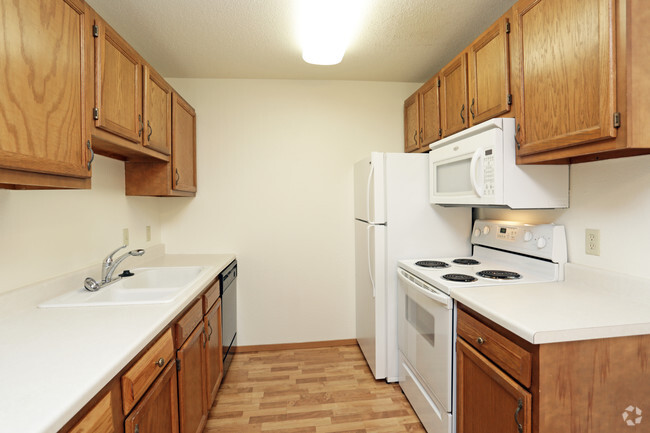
x=394 y=220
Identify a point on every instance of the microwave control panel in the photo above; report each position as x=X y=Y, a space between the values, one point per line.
x=488 y=172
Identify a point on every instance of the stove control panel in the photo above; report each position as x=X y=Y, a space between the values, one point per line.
x=547 y=241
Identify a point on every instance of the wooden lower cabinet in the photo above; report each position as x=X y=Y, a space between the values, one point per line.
x=213 y=353
x=489 y=401
x=193 y=410
x=157 y=411
x=99 y=419
x=576 y=386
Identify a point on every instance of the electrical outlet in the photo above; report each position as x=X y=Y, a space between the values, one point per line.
x=592 y=242
x=148 y=233
x=125 y=236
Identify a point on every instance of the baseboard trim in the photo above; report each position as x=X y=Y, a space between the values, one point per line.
x=292 y=346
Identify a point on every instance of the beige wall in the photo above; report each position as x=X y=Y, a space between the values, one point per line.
x=275 y=187
x=49 y=233
x=612 y=196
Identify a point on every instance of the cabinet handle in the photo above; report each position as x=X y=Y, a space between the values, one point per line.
x=520 y=404
x=471 y=109
x=150 y=131
x=415 y=138
x=462 y=110
x=480 y=340
x=178 y=177
x=421 y=140
x=92 y=154
x=141 y=125
x=516 y=134
x=205 y=340
x=160 y=362
x=210 y=334
x=137 y=428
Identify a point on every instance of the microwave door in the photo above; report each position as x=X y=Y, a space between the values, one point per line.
x=455 y=181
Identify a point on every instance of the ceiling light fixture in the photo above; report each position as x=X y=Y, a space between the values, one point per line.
x=326 y=28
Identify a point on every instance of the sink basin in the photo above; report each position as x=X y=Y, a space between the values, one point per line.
x=146 y=286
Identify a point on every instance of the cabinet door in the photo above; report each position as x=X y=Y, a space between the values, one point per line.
x=488 y=399
x=564 y=72
x=213 y=354
x=191 y=382
x=118 y=95
x=489 y=74
x=157 y=112
x=453 y=96
x=157 y=411
x=183 y=145
x=42 y=126
x=430 y=112
x=411 y=123
x=99 y=419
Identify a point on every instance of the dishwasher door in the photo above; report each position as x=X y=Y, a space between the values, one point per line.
x=229 y=313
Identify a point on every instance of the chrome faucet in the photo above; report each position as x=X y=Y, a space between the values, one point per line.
x=108 y=268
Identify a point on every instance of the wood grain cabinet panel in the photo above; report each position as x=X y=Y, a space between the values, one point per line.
x=489 y=400
x=454 y=108
x=99 y=419
x=118 y=92
x=430 y=112
x=411 y=123
x=183 y=145
x=213 y=353
x=489 y=73
x=158 y=410
x=43 y=134
x=565 y=73
x=192 y=395
x=157 y=112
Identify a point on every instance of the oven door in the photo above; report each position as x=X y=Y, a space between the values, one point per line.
x=425 y=329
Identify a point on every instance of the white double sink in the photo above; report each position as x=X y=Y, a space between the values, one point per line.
x=146 y=286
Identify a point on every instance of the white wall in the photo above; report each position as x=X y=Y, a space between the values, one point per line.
x=49 y=233
x=275 y=187
x=612 y=196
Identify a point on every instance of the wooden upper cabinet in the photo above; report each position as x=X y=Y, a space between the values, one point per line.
x=43 y=134
x=454 y=108
x=506 y=410
x=183 y=145
x=118 y=92
x=157 y=112
x=430 y=112
x=564 y=68
x=411 y=123
x=489 y=73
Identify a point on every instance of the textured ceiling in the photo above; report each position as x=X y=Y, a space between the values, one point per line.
x=400 y=40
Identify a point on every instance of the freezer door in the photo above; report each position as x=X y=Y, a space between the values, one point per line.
x=371 y=295
x=369 y=191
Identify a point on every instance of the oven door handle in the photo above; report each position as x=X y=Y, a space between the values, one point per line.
x=431 y=293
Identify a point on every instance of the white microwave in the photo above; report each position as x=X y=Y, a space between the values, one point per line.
x=477 y=167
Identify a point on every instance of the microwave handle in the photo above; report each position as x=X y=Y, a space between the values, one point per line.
x=478 y=189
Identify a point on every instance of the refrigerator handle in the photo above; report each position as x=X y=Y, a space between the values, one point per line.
x=372 y=280
x=370 y=176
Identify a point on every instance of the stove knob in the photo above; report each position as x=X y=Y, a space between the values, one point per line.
x=486 y=230
x=527 y=236
x=541 y=243
x=477 y=233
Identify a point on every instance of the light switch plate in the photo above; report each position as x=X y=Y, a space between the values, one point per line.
x=148 y=233
x=125 y=236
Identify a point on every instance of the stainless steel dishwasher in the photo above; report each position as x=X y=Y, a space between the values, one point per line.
x=228 y=313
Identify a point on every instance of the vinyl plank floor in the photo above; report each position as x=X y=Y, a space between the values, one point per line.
x=324 y=390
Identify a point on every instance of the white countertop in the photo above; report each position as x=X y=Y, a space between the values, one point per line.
x=588 y=304
x=55 y=360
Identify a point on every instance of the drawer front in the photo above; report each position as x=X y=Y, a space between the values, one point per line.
x=142 y=374
x=188 y=322
x=211 y=296
x=98 y=420
x=511 y=357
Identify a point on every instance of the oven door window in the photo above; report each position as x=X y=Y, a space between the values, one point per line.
x=426 y=339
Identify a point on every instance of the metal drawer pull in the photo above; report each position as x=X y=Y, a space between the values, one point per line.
x=480 y=340
x=210 y=334
x=141 y=125
x=150 y=131
x=92 y=155
x=520 y=404
x=178 y=176
x=462 y=110
x=160 y=362
x=471 y=108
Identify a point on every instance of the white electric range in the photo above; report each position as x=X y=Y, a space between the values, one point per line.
x=503 y=253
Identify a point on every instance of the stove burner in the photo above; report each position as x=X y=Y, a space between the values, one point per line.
x=462 y=278
x=432 y=264
x=466 y=262
x=499 y=275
